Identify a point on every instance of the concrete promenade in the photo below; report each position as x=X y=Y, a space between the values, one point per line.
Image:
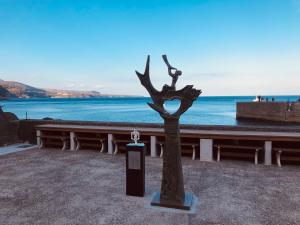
x=87 y=187
x=15 y=148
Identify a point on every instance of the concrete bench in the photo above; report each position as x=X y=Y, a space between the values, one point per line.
x=279 y=150
x=90 y=141
x=256 y=149
x=63 y=138
x=189 y=144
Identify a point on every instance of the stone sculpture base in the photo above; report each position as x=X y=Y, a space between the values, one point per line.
x=188 y=201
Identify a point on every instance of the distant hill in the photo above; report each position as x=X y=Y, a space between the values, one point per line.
x=20 y=90
x=5 y=93
x=12 y=89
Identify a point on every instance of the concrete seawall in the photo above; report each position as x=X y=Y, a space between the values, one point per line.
x=25 y=130
x=269 y=111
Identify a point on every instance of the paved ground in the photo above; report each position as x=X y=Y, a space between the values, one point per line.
x=15 y=148
x=54 y=187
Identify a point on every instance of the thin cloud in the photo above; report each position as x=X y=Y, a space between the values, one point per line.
x=210 y=75
x=85 y=87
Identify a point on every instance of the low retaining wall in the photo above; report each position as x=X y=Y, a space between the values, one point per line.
x=269 y=111
x=8 y=128
x=8 y=133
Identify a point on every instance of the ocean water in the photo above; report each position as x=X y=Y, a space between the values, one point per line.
x=206 y=110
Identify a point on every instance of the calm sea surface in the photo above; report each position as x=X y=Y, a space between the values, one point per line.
x=206 y=110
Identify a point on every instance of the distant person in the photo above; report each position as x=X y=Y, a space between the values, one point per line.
x=290 y=105
x=267 y=99
x=273 y=99
x=262 y=99
x=257 y=99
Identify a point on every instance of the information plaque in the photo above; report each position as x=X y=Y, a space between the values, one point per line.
x=134 y=160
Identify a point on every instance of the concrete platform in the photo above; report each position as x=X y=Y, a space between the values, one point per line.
x=86 y=187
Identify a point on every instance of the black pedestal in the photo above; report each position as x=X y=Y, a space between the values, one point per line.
x=188 y=202
x=135 y=169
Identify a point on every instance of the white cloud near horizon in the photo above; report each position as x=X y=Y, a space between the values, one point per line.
x=276 y=75
x=85 y=86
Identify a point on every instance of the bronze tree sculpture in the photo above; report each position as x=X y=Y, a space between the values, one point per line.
x=172 y=190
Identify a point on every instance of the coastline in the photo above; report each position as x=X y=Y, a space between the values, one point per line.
x=207 y=110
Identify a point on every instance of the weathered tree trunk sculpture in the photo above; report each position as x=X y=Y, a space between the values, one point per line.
x=172 y=190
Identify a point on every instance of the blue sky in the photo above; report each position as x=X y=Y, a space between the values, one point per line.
x=224 y=47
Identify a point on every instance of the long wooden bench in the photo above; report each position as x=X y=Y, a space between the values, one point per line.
x=279 y=150
x=256 y=149
x=189 y=144
x=80 y=139
x=63 y=138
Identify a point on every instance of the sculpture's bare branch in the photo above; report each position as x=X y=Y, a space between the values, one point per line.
x=145 y=79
